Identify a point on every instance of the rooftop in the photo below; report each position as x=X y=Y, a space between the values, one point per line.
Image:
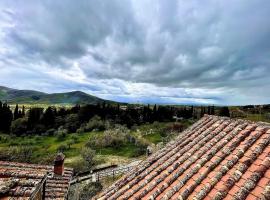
x=19 y=180
x=216 y=158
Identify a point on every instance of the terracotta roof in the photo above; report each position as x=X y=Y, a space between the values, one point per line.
x=19 y=180
x=216 y=158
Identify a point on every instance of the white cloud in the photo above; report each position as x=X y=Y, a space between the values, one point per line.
x=175 y=51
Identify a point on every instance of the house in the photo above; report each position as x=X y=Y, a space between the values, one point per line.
x=36 y=182
x=216 y=158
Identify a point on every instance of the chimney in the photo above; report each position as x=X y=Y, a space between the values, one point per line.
x=59 y=164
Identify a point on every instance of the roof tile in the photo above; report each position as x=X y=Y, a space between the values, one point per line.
x=22 y=179
x=215 y=158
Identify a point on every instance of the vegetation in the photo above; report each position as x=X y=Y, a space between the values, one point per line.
x=131 y=143
x=88 y=135
x=84 y=191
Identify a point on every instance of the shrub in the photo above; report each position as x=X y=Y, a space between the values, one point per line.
x=37 y=138
x=75 y=138
x=61 y=133
x=111 y=138
x=50 y=132
x=88 y=156
x=19 y=126
x=224 y=111
x=82 y=129
x=94 y=124
x=62 y=148
x=46 y=159
x=79 y=165
x=90 y=190
x=39 y=129
x=4 y=138
x=85 y=191
x=70 y=142
x=141 y=145
x=17 y=153
x=72 y=122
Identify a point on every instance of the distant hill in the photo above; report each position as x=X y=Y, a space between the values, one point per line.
x=13 y=96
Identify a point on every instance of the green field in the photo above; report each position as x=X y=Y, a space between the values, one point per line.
x=48 y=145
x=45 y=147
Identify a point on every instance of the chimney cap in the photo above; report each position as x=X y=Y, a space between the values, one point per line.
x=59 y=157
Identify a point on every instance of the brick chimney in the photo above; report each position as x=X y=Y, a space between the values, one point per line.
x=59 y=164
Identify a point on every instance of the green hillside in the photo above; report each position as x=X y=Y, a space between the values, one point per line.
x=14 y=96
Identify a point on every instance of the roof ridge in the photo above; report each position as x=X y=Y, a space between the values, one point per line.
x=260 y=123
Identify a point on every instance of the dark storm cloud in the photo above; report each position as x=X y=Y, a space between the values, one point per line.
x=210 y=50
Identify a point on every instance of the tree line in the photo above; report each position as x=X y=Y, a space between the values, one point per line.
x=38 y=120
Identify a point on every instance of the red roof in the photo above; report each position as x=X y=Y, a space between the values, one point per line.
x=216 y=158
x=20 y=180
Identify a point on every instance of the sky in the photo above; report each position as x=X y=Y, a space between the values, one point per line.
x=139 y=51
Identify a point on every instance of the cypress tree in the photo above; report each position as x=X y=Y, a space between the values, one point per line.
x=16 y=112
x=23 y=111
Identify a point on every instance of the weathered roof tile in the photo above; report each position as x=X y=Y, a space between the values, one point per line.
x=19 y=180
x=216 y=158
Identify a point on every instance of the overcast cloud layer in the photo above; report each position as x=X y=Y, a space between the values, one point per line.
x=151 y=51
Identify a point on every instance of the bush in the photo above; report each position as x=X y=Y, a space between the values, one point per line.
x=175 y=127
x=37 y=138
x=50 y=132
x=95 y=123
x=61 y=133
x=88 y=156
x=72 y=123
x=79 y=165
x=111 y=138
x=46 y=159
x=39 y=129
x=90 y=190
x=82 y=129
x=62 y=148
x=75 y=138
x=142 y=145
x=4 y=138
x=17 y=153
x=224 y=111
x=70 y=142
x=85 y=191
x=19 y=126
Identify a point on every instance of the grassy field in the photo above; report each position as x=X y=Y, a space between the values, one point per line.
x=257 y=117
x=48 y=145
x=45 y=147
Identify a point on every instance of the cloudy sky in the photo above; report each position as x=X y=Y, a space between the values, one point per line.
x=151 y=51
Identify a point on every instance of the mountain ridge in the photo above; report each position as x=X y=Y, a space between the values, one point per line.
x=16 y=96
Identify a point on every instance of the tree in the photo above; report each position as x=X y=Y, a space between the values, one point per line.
x=224 y=111
x=70 y=143
x=192 y=111
x=34 y=116
x=62 y=148
x=19 y=126
x=48 y=118
x=16 y=112
x=72 y=122
x=88 y=155
x=23 y=111
x=6 y=117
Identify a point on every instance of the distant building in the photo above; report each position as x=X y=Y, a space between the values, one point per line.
x=36 y=182
x=123 y=107
x=178 y=118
